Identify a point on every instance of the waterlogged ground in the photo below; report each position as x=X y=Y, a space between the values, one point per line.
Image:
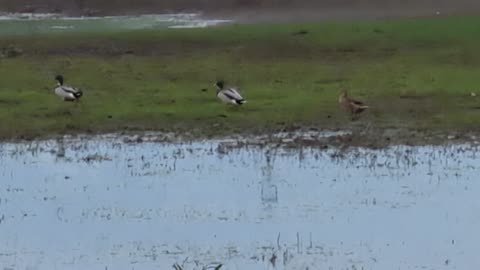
x=114 y=203
x=24 y=24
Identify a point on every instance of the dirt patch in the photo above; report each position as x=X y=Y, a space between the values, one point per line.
x=350 y=10
x=253 y=10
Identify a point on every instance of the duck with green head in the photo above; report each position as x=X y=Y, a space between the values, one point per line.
x=67 y=93
x=229 y=94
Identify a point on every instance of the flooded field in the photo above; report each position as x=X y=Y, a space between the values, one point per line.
x=38 y=23
x=113 y=203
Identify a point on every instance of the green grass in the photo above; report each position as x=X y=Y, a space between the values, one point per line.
x=288 y=79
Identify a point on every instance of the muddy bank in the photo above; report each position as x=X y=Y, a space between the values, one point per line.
x=291 y=137
x=252 y=10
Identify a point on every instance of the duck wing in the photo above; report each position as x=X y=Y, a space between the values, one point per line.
x=356 y=102
x=232 y=93
x=71 y=90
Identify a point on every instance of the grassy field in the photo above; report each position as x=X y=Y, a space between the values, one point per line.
x=416 y=74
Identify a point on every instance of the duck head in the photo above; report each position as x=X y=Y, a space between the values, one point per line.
x=59 y=79
x=219 y=85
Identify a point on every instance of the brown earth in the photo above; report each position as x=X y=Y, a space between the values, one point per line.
x=253 y=10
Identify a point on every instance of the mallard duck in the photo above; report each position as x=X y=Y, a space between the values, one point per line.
x=229 y=94
x=354 y=107
x=66 y=92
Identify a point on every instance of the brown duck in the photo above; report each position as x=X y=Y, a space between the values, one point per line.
x=354 y=107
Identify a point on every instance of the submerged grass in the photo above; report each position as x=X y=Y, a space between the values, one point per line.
x=415 y=73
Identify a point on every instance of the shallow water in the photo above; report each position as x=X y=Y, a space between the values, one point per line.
x=31 y=23
x=106 y=204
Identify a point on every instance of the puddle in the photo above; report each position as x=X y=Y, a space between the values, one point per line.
x=37 y=23
x=106 y=204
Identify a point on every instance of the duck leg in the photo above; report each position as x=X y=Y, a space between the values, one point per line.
x=354 y=117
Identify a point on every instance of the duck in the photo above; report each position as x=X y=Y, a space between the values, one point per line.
x=67 y=93
x=229 y=94
x=354 y=107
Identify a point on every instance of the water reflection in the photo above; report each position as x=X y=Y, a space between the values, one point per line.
x=269 y=189
x=106 y=204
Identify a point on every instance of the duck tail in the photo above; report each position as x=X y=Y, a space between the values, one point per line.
x=241 y=101
x=360 y=106
x=78 y=94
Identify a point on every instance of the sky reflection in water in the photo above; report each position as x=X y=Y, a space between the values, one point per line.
x=101 y=204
